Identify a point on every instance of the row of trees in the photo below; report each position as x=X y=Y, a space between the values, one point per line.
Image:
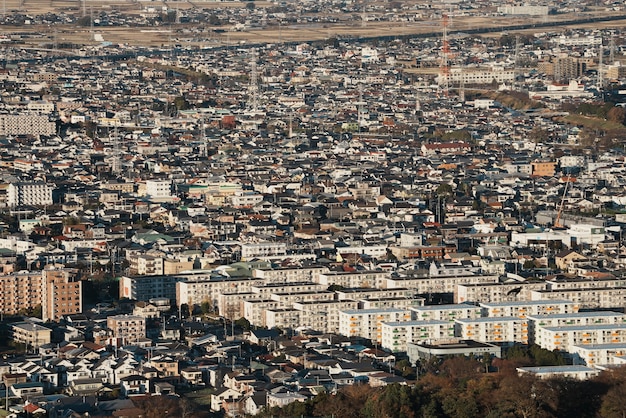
x=460 y=388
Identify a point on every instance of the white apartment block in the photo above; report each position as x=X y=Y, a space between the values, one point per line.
x=26 y=125
x=446 y=312
x=245 y=199
x=374 y=251
x=466 y=76
x=598 y=354
x=367 y=323
x=496 y=292
x=254 y=310
x=34 y=194
x=263 y=250
x=563 y=338
x=524 y=308
x=159 y=189
x=323 y=315
x=573 y=319
x=208 y=289
x=355 y=279
x=148 y=265
x=583 y=283
x=493 y=330
x=373 y=293
x=289 y=275
x=383 y=303
x=590 y=298
x=291 y=287
x=438 y=284
x=289 y=298
x=396 y=335
x=230 y=304
x=282 y=318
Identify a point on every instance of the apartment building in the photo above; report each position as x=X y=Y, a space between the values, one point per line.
x=367 y=323
x=61 y=293
x=563 y=338
x=586 y=298
x=438 y=284
x=493 y=330
x=323 y=315
x=369 y=293
x=254 y=310
x=127 y=329
x=496 y=292
x=159 y=189
x=286 y=318
x=29 y=193
x=598 y=354
x=230 y=304
x=20 y=291
x=399 y=302
x=290 y=275
x=288 y=298
x=396 y=335
x=524 y=308
x=31 y=334
x=148 y=287
x=263 y=250
x=198 y=289
x=355 y=279
x=446 y=312
x=266 y=289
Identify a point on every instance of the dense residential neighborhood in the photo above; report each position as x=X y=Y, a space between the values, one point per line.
x=236 y=229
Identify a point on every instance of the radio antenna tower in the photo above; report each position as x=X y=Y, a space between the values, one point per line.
x=600 y=65
x=444 y=69
x=253 y=87
x=516 y=63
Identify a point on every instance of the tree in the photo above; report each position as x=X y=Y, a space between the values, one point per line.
x=243 y=323
x=613 y=405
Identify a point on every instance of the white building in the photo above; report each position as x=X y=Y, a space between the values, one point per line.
x=532 y=307
x=367 y=323
x=263 y=250
x=34 y=194
x=446 y=312
x=563 y=338
x=494 y=330
x=159 y=189
x=396 y=335
x=598 y=354
x=577 y=372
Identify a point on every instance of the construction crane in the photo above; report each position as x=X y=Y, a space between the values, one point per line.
x=557 y=221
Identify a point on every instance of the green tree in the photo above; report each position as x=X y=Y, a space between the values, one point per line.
x=613 y=405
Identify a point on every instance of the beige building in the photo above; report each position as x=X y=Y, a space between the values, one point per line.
x=563 y=338
x=367 y=323
x=396 y=335
x=127 y=329
x=31 y=334
x=62 y=293
x=20 y=291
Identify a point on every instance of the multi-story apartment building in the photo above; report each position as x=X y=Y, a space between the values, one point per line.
x=563 y=338
x=20 y=291
x=254 y=310
x=424 y=284
x=149 y=287
x=446 y=312
x=26 y=125
x=397 y=302
x=496 y=292
x=323 y=315
x=524 y=308
x=396 y=335
x=598 y=354
x=367 y=323
x=230 y=304
x=355 y=279
x=127 y=329
x=33 y=194
x=198 y=289
x=61 y=293
x=586 y=298
x=266 y=289
x=263 y=250
x=31 y=334
x=494 y=330
x=289 y=275
x=573 y=319
x=159 y=189
x=286 y=318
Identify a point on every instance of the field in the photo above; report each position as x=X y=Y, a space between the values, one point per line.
x=204 y=36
